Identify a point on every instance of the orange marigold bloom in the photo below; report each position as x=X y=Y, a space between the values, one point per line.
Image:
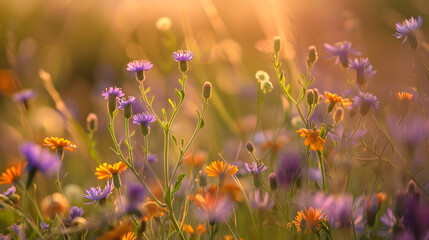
x=188 y=228
x=152 y=209
x=107 y=170
x=334 y=99
x=309 y=219
x=312 y=138
x=197 y=159
x=220 y=168
x=201 y=229
x=128 y=236
x=58 y=143
x=404 y=96
x=12 y=174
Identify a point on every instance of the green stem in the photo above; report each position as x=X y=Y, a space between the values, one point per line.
x=322 y=169
x=129 y=145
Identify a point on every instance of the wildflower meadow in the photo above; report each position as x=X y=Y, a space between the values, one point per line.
x=200 y=119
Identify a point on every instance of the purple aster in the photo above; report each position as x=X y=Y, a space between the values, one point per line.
x=39 y=159
x=138 y=67
x=10 y=191
x=363 y=69
x=152 y=158
x=122 y=102
x=44 y=226
x=257 y=202
x=389 y=221
x=112 y=91
x=75 y=212
x=407 y=28
x=287 y=169
x=340 y=50
x=254 y=168
x=135 y=196
x=144 y=119
x=365 y=101
x=183 y=55
x=23 y=96
x=96 y=195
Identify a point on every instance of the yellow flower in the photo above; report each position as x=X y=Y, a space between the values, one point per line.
x=58 y=143
x=404 y=101
x=201 y=229
x=128 y=236
x=309 y=219
x=334 y=99
x=312 y=138
x=220 y=168
x=152 y=209
x=12 y=174
x=107 y=170
x=188 y=228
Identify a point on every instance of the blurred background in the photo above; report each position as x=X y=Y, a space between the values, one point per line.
x=86 y=44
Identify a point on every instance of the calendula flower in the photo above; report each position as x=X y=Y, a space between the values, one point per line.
x=220 y=168
x=55 y=204
x=334 y=99
x=309 y=220
x=188 y=228
x=196 y=159
x=212 y=206
x=128 y=236
x=230 y=237
x=11 y=175
x=201 y=228
x=312 y=138
x=107 y=170
x=151 y=209
x=58 y=143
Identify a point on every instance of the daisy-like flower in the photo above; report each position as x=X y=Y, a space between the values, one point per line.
x=188 y=228
x=363 y=69
x=59 y=144
x=201 y=229
x=11 y=175
x=220 y=168
x=39 y=159
x=407 y=30
x=96 y=195
x=312 y=138
x=309 y=220
x=366 y=101
x=262 y=75
x=113 y=91
x=212 y=206
x=75 y=212
x=143 y=119
x=151 y=209
x=125 y=103
x=24 y=96
x=183 y=57
x=333 y=99
x=341 y=50
x=138 y=67
x=106 y=171
x=254 y=168
x=404 y=101
x=128 y=236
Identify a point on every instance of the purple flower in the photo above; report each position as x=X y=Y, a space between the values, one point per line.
x=152 y=158
x=39 y=159
x=363 y=69
x=136 y=194
x=122 y=102
x=389 y=221
x=96 y=195
x=23 y=96
x=75 y=212
x=344 y=138
x=113 y=91
x=254 y=168
x=44 y=226
x=10 y=191
x=257 y=202
x=139 y=65
x=407 y=27
x=340 y=50
x=287 y=169
x=145 y=119
x=183 y=55
x=365 y=101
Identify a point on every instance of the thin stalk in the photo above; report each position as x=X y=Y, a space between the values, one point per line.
x=129 y=145
x=357 y=126
x=322 y=169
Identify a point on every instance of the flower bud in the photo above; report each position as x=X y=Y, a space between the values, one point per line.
x=266 y=86
x=310 y=97
x=111 y=104
x=277 y=44
x=364 y=108
x=207 y=90
x=55 y=204
x=202 y=178
x=312 y=56
x=273 y=181
x=92 y=122
x=338 y=115
x=128 y=111
x=140 y=75
x=250 y=147
x=183 y=66
x=144 y=129
x=256 y=180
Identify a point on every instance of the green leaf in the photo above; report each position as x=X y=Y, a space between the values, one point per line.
x=147 y=90
x=198 y=113
x=7 y=217
x=174 y=139
x=164 y=113
x=172 y=103
x=183 y=93
x=178 y=183
x=182 y=141
x=132 y=134
x=151 y=100
x=202 y=123
x=180 y=81
x=177 y=92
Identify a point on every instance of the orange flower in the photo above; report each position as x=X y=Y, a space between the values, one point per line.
x=118 y=232
x=128 y=236
x=312 y=138
x=212 y=206
x=309 y=219
x=229 y=237
x=201 y=229
x=152 y=209
x=404 y=96
x=107 y=170
x=188 y=228
x=333 y=99
x=197 y=159
x=12 y=174
x=220 y=168
x=58 y=143
x=55 y=204
x=404 y=101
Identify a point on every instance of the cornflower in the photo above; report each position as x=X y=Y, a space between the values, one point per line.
x=111 y=95
x=143 y=120
x=125 y=103
x=138 y=67
x=365 y=101
x=333 y=99
x=40 y=160
x=309 y=220
x=312 y=138
x=59 y=144
x=75 y=212
x=254 y=168
x=196 y=159
x=407 y=30
x=11 y=175
x=182 y=57
x=257 y=202
x=341 y=50
x=96 y=195
x=363 y=69
x=287 y=169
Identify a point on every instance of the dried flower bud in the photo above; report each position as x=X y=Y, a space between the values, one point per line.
x=312 y=56
x=277 y=44
x=266 y=86
x=111 y=104
x=250 y=147
x=338 y=115
x=92 y=122
x=273 y=181
x=207 y=90
x=202 y=177
x=310 y=97
x=54 y=204
x=411 y=187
